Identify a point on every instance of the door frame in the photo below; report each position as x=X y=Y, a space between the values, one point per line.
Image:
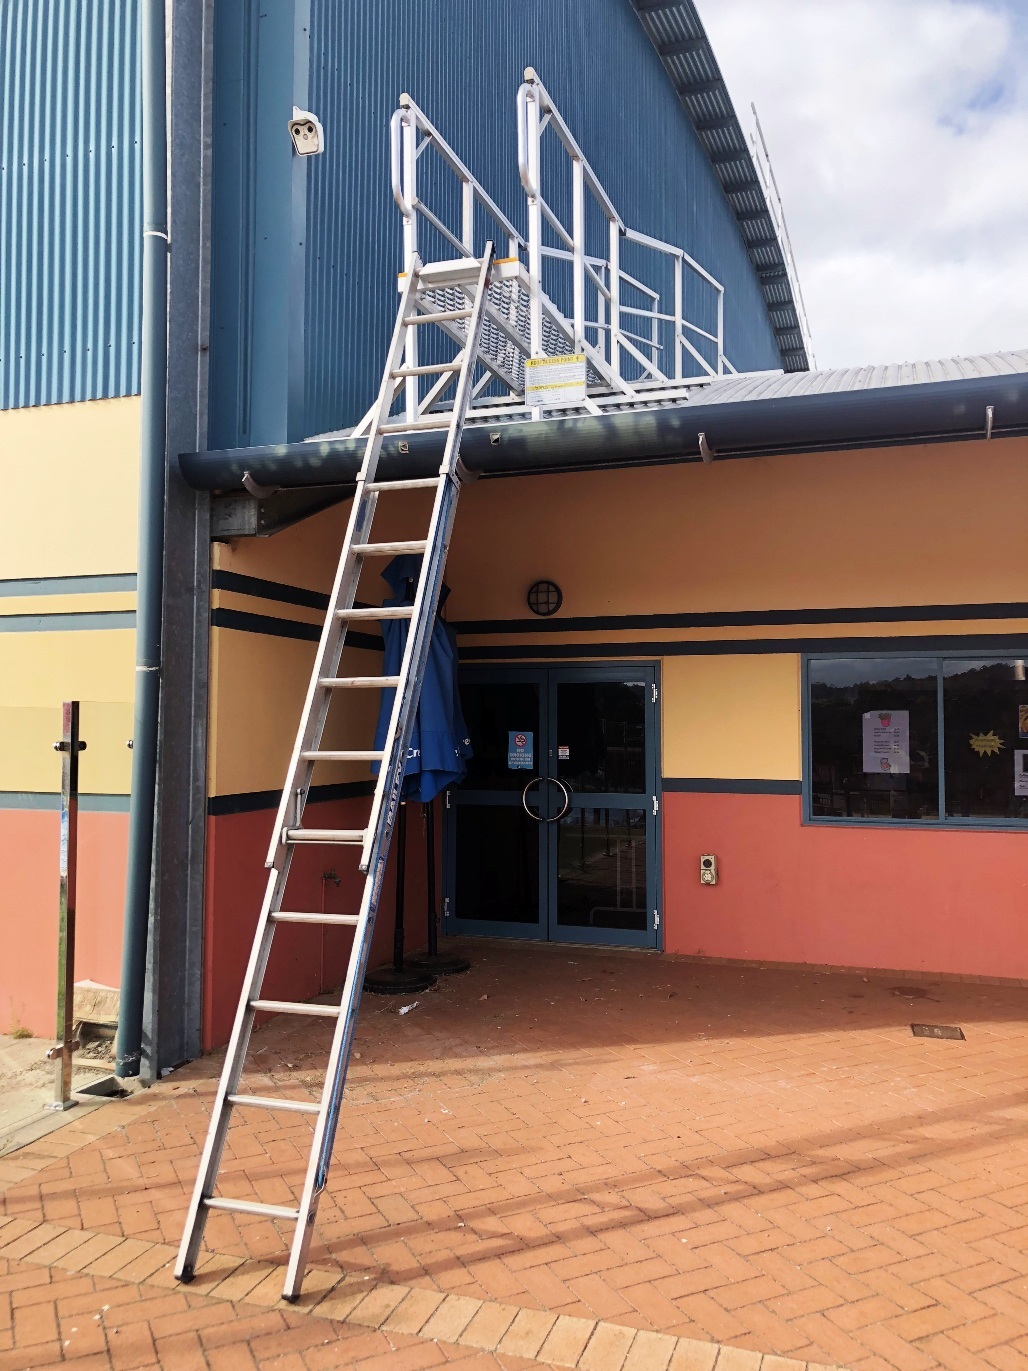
x=550 y=673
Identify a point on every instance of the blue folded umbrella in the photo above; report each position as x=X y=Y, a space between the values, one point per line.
x=439 y=744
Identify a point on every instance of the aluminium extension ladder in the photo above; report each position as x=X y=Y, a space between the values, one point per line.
x=424 y=288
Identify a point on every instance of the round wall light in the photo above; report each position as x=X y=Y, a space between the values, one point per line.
x=545 y=598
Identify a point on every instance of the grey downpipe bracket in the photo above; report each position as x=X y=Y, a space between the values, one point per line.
x=146 y=714
x=828 y=422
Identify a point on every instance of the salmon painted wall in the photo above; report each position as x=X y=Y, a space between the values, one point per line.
x=29 y=844
x=306 y=960
x=942 y=900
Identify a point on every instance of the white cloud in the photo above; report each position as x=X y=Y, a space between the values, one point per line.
x=898 y=130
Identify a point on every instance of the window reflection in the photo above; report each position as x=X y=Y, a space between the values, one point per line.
x=874 y=746
x=601 y=727
x=985 y=712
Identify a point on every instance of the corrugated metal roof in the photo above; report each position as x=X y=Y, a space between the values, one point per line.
x=774 y=385
x=676 y=31
x=70 y=184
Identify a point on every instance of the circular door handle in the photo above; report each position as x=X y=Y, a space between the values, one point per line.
x=538 y=780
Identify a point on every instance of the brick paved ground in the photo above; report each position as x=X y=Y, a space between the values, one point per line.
x=758 y=1160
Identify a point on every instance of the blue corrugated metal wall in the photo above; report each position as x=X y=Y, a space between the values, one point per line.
x=462 y=61
x=70 y=183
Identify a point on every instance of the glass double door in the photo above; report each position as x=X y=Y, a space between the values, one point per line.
x=553 y=833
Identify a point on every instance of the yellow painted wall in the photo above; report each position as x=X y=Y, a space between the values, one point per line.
x=68 y=509
x=919 y=525
x=29 y=763
x=734 y=717
x=903 y=526
x=70 y=477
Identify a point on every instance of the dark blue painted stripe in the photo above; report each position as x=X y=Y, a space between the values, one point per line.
x=956 y=642
x=248 y=802
x=285 y=628
x=870 y=614
x=710 y=785
x=56 y=623
x=268 y=590
x=69 y=585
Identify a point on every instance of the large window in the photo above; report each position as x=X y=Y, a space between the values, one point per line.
x=914 y=739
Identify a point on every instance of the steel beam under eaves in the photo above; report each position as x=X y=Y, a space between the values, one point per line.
x=937 y=411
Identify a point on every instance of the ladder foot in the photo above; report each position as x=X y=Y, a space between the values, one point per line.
x=290 y=1299
x=186 y=1275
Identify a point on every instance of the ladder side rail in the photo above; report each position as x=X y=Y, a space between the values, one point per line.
x=409 y=164
x=343 y=594
x=391 y=775
x=235 y=1057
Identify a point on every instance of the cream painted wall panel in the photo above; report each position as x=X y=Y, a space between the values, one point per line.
x=732 y=717
x=70 y=477
x=28 y=760
x=258 y=687
x=898 y=526
x=46 y=668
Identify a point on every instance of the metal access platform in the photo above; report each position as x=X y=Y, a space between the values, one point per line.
x=635 y=321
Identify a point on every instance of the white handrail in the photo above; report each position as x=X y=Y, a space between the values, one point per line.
x=537 y=112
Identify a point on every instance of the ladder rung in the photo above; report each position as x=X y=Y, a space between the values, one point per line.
x=353 y=836
x=359 y=682
x=268 y=1211
x=349 y=755
x=413 y=425
x=426 y=370
x=412 y=320
x=378 y=612
x=262 y=1102
x=320 y=1011
x=420 y=483
x=342 y=920
x=390 y=549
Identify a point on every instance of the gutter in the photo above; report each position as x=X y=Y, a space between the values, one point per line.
x=889 y=416
x=149 y=585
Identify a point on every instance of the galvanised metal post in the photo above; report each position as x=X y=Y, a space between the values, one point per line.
x=142 y=814
x=69 y=747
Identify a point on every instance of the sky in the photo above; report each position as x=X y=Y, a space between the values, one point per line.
x=898 y=132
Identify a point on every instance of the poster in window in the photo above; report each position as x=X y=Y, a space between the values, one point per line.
x=1022 y=721
x=887 y=742
x=1021 y=771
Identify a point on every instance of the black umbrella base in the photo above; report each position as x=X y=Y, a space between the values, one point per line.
x=388 y=981
x=442 y=964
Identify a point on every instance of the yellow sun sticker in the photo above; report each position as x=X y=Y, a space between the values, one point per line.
x=985 y=744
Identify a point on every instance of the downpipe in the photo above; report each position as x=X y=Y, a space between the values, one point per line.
x=154 y=380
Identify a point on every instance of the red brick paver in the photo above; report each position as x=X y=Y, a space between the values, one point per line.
x=762 y=1159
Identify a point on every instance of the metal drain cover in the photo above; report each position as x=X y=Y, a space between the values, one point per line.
x=937 y=1030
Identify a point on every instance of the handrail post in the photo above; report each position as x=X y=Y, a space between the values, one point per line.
x=69 y=747
x=721 y=331
x=679 y=308
x=467 y=233
x=410 y=247
x=615 y=297
x=578 y=234
x=535 y=229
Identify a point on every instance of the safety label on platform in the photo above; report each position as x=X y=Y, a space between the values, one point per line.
x=555 y=380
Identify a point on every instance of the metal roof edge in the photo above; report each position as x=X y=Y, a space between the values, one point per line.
x=676 y=31
x=832 y=421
